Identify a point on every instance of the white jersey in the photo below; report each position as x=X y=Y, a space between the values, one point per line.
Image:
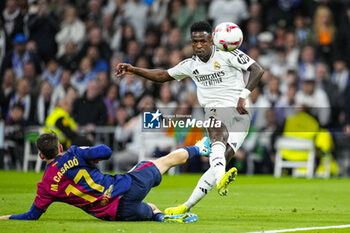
x=219 y=80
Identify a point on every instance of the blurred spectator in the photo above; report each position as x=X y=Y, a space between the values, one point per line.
x=292 y=51
x=127 y=158
x=2 y=42
x=189 y=13
x=7 y=91
x=303 y=125
x=95 y=39
x=60 y=91
x=347 y=110
x=16 y=58
x=132 y=52
x=160 y=58
x=90 y=108
x=324 y=30
x=43 y=103
x=58 y=8
x=343 y=36
x=340 y=75
x=122 y=36
x=280 y=13
x=279 y=66
x=43 y=26
x=84 y=75
x=112 y=103
x=174 y=40
x=302 y=31
x=286 y=105
x=307 y=63
x=174 y=9
x=98 y=63
x=30 y=74
x=129 y=102
x=151 y=43
x=131 y=83
x=72 y=30
x=265 y=40
x=139 y=20
x=165 y=28
x=69 y=59
x=227 y=11
x=14 y=136
x=252 y=31
x=107 y=28
x=159 y=11
x=60 y=122
x=23 y=97
x=324 y=82
x=12 y=22
x=103 y=81
x=166 y=102
x=52 y=73
x=316 y=99
x=257 y=107
x=272 y=91
x=94 y=11
x=121 y=118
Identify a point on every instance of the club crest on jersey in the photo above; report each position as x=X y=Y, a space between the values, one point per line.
x=217 y=65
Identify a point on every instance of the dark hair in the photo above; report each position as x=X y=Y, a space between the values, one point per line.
x=201 y=26
x=47 y=144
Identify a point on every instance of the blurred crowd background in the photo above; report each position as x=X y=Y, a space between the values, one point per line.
x=58 y=56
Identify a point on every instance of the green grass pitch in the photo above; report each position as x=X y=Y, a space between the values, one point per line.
x=253 y=204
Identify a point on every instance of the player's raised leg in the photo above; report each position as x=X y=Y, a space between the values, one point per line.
x=205 y=184
x=180 y=156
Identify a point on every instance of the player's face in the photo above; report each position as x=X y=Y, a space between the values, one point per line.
x=201 y=44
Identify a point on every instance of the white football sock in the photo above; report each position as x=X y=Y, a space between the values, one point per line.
x=204 y=185
x=217 y=160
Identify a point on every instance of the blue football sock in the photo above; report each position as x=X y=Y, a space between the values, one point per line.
x=192 y=150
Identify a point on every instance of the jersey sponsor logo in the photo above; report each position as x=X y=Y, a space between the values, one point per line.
x=151 y=120
x=235 y=52
x=217 y=65
x=210 y=79
x=243 y=59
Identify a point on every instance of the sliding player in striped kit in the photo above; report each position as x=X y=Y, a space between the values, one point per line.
x=73 y=178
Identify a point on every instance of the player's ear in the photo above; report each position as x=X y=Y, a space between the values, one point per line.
x=61 y=148
x=41 y=156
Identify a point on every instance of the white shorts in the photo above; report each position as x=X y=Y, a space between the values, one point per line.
x=237 y=125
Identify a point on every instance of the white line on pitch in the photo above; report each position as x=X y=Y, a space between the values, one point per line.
x=302 y=229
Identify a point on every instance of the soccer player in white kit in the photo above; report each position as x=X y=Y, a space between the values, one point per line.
x=222 y=92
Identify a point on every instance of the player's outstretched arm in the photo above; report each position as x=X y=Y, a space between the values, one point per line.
x=33 y=214
x=256 y=72
x=100 y=152
x=155 y=75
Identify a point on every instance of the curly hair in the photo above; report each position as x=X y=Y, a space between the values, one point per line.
x=201 y=26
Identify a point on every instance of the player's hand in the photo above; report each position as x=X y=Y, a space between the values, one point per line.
x=5 y=217
x=241 y=106
x=123 y=68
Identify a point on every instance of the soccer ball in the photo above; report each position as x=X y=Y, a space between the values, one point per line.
x=228 y=36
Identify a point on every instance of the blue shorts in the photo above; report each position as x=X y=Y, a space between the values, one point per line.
x=131 y=207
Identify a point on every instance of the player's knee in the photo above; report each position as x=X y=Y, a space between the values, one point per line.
x=219 y=134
